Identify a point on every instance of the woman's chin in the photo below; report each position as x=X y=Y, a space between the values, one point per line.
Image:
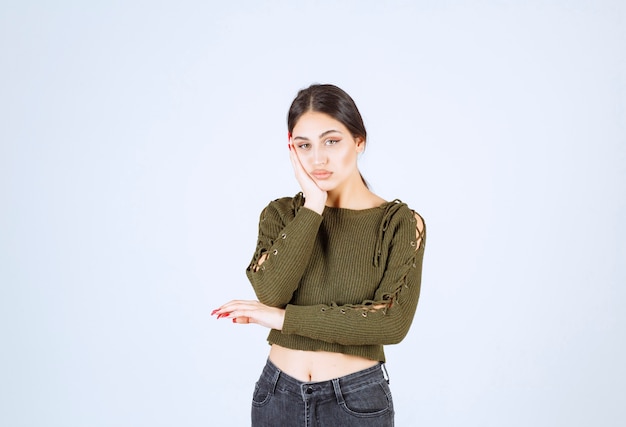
x=325 y=185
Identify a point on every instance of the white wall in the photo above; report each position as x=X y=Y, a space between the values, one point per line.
x=140 y=140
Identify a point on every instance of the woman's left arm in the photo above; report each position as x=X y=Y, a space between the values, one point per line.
x=384 y=320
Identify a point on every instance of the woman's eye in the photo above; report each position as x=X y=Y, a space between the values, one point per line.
x=331 y=141
x=304 y=146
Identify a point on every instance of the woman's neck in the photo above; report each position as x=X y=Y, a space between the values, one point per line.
x=353 y=195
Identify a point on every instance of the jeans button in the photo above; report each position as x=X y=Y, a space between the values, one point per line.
x=309 y=390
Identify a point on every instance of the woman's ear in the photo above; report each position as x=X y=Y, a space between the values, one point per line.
x=360 y=144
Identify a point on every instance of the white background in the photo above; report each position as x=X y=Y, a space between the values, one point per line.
x=140 y=140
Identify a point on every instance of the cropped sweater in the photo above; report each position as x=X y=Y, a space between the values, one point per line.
x=349 y=280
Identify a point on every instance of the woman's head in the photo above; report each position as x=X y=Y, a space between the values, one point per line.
x=330 y=100
x=328 y=134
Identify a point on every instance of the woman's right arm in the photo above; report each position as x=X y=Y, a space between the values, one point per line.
x=286 y=237
x=284 y=246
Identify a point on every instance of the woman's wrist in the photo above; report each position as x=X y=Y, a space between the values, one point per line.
x=315 y=205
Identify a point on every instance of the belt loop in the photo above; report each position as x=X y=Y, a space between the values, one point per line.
x=385 y=373
x=338 y=394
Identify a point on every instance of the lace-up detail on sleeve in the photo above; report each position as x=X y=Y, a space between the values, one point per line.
x=387 y=299
x=390 y=209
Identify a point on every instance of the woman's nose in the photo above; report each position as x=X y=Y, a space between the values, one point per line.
x=319 y=158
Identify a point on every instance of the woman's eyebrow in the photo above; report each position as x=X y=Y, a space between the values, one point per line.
x=329 y=131
x=322 y=135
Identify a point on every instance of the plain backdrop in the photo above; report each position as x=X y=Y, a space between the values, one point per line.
x=139 y=141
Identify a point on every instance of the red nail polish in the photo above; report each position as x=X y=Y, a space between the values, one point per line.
x=215 y=311
x=235 y=320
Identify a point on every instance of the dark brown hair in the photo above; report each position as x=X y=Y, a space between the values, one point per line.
x=331 y=100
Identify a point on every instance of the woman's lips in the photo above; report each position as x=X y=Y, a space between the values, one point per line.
x=321 y=174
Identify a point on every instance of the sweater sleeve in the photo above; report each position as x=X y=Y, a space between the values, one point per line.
x=384 y=320
x=284 y=246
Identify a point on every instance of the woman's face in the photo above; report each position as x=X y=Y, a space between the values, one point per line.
x=327 y=150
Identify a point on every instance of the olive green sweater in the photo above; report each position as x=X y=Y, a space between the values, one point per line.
x=348 y=279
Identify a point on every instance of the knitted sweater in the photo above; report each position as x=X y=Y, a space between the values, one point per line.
x=348 y=279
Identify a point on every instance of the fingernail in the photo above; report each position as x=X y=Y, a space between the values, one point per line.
x=235 y=320
x=215 y=311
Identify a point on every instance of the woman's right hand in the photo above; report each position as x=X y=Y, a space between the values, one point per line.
x=245 y=312
x=314 y=197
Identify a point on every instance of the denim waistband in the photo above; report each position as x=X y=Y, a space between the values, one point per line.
x=347 y=383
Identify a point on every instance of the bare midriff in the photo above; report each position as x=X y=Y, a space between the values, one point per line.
x=316 y=365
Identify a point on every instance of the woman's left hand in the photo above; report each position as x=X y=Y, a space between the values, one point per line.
x=242 y=311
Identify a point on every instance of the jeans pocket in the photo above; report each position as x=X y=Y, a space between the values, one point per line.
x=372 y=400
x=262 y=393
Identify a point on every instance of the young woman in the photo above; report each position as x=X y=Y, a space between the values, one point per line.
x=337 y=274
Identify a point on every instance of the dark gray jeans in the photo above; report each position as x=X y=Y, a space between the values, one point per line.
x=359 y=399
